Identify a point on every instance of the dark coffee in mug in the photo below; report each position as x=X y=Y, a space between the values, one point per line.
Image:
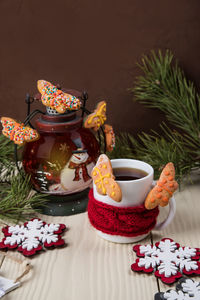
x=127 y=174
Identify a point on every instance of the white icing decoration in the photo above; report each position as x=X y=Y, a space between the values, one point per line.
x=167 y=258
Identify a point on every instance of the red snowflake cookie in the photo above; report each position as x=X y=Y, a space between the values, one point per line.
x=167 y=259
x=32 y=236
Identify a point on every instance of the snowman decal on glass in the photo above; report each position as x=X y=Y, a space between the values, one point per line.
x=75 y=175
x=79 y=162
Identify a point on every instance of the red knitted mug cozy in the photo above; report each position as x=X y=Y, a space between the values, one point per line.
x=124 y=221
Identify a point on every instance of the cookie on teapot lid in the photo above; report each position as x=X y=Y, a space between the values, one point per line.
x=55 y=98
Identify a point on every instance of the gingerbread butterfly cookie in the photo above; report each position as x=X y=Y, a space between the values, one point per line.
x=97 y=118
x=104 y=179
x=18 y=133
x=164 y=189
x=53 y=97
x=110 y=137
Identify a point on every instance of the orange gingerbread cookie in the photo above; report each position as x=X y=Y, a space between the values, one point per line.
x=110 y=137
x=97 y=118
x=55 y=98
x=18 y=133
x=104 y=179
x=164 y=189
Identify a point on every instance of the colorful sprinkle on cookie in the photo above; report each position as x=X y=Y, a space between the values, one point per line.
x=164 y=189
x=18 y=133
x=104 y=179
x=52 y=97
x=97 y=118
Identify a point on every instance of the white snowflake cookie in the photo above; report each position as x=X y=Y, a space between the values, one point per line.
x=167 y=260
x=32 y=236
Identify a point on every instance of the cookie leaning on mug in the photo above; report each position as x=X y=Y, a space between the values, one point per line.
x=164 y=189
x=104 y=180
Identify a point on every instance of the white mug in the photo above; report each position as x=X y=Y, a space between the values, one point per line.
x=134 y=193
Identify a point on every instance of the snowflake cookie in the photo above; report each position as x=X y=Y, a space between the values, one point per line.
x=32 y=236
x=167 y=260
x=186 y=289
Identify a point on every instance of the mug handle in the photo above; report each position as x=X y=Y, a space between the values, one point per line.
x=171 y=214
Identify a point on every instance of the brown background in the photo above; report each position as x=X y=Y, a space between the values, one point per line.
x=92 y=45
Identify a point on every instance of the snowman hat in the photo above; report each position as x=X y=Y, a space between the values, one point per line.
x=79 y=150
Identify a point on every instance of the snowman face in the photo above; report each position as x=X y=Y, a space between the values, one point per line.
x=79 y=158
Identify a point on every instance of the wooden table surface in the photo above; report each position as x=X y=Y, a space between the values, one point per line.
x=90 y=268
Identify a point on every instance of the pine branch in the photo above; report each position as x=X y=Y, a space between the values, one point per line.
x=6 y=149
x=123 y=147
x=164 y=86
x=7 y=163
x=155 y=150
x=158 y=151
x=17 y=199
